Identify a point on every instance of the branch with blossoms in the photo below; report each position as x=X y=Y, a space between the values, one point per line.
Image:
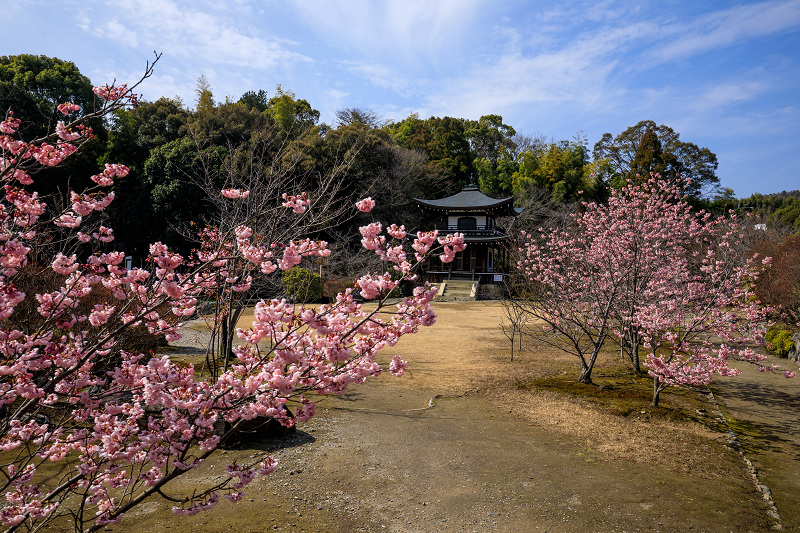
x=121 y=425
x=254 y=178
x=19 y=157
x=693 y=329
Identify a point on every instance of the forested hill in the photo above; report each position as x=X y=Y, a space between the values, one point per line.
x=781 y=208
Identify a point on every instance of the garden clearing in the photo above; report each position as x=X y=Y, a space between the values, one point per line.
x=469 y=441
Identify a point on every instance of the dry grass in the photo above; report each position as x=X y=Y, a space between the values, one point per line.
x=466 y=352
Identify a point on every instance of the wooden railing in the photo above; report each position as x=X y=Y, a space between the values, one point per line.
x=480 y=230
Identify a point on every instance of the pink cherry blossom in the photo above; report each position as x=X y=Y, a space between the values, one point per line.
x=66 y=108
x=127 y=423
x=65 y=134
x=299 y=204
x=235 y=193
x=366 y=205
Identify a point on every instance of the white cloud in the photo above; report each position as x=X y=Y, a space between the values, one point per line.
x=338 y=95
x=185 y=31
x=410 y=31
x=378 y=75
x=724 y=28
x=724 y=95
x=119 y=31
x=576 y=75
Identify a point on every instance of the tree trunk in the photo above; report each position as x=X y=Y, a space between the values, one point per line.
x=656 y=391
x=633 y=345
x=223 y=343
x=586 y=375
x=587 y=366
x=637 y=368
x=230 y=327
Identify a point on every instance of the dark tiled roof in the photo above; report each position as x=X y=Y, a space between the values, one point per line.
x=470 y=199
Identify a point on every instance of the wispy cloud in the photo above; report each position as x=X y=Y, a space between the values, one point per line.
x=408 y=31
x=727 y=27
x=595 y=60
x=190 y=33
x=724 y=95
x=338 y=95
x=576 y=74
x=378 y=75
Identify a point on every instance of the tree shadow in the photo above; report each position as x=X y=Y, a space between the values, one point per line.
x=291 y=438
x=770 y=412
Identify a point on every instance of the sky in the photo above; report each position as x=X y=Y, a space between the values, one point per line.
x=724 y=75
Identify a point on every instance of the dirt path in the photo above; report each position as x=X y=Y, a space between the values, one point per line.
x=765 y=409
x=481 y=456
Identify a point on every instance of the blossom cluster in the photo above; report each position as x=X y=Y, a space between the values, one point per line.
x=298 y=203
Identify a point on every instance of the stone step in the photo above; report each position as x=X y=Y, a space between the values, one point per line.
x=458 y=290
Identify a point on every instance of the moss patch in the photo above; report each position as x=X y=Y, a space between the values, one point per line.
x=618 y=391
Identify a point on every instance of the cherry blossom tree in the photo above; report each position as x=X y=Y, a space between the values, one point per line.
x=646 y=269
x=571 y=279
x=89 y=430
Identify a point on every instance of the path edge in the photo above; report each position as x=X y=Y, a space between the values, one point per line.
x=733 y=442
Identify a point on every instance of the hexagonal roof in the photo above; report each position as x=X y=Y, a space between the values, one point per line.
x=470 y=199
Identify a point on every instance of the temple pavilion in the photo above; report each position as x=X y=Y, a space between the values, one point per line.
x=474 y=214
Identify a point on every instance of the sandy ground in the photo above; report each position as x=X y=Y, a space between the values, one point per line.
x=454 y=446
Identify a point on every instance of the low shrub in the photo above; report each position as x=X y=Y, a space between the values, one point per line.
x=779 y=340
x=302 y=284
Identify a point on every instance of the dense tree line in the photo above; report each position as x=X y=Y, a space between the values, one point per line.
x=173 y=149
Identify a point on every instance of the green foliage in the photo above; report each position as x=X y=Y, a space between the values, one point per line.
x=302 y=284
x=255 y=100
x=649 y=158
x=558 y=168
x=205 y=98
x=781 y=209
x=496 y=177
x=44 y=82
x=646 y=148
x=226 y=125
x=138 y=130
x=170 y=174
x=404 y=130
x=779 y=340
x=493 y=151
x=488 y=137
x=293 y=117
x=444 y=141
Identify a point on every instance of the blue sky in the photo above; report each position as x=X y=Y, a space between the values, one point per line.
x=725 y=75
